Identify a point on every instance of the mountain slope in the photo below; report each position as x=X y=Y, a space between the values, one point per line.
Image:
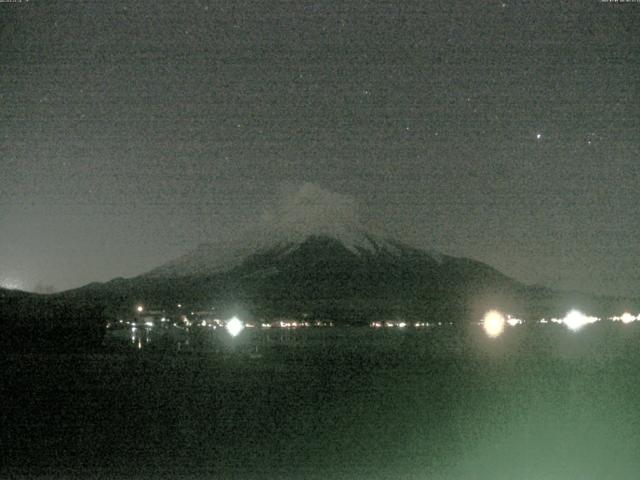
x=209 y=258
x=385 y=278
x=354 y=277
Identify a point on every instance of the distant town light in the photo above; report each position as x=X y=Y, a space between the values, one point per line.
x=512 y=321
x=11 y=283
x=139 y=309
x=235 y=326
x=493 y=323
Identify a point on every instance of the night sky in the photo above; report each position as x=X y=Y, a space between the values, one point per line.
x=508 y=132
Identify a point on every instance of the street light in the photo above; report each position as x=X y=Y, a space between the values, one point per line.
x=493 y=323
x=234 y=327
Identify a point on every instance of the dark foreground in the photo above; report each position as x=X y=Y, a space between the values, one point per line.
x=537 y=403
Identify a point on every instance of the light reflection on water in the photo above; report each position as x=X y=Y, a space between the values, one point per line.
x=598 y=341
x=255 y=340
x=468 y=415
x=204 y=338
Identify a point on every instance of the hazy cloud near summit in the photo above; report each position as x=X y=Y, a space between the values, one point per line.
x=295 y=212
x=310 y=209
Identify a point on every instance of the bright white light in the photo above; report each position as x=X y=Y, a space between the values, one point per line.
x=627 y=318
x=538 y=136
x=149 y=324
x=235 y=326
x=576 y=320
x=493 y=323
x=402 y=325
x=512 y=321
x=139 y=308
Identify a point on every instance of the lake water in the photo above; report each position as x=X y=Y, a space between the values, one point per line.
x=439 y=403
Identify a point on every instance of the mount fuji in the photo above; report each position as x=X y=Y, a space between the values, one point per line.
x=347 y=275
x=343 y=274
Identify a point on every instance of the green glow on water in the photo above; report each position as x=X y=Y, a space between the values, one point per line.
x=533 y=403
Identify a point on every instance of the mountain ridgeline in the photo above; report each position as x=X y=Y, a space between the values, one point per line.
x=354 y=279
x=351 y=279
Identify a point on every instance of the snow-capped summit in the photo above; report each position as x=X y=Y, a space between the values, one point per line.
x=211 y=258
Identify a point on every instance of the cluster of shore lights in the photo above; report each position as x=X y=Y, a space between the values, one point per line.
x=494 y=322
x=626 y=318
x=404 y=324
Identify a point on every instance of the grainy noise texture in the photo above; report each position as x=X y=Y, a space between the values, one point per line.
x=504 y=131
